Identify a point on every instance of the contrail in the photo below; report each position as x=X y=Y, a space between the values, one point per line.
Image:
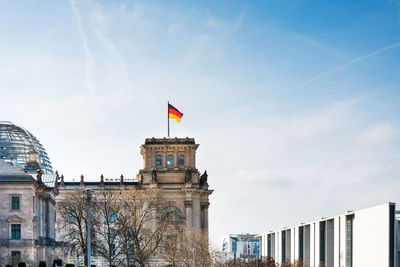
x=376 y=52
x=89 y=60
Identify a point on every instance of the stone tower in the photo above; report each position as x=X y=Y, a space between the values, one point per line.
x=170 y=164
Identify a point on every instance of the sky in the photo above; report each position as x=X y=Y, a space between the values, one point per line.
x=295 y=104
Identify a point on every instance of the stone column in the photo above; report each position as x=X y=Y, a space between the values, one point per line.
x=187 y=157
x=153 y=159
x=189 y=212
x=196 y=213
x=40 y=215
x=164 y=159
x=47 y=219
x=204 y=215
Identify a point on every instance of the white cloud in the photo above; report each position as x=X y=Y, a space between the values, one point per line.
x=90 y=62
x=377 y=135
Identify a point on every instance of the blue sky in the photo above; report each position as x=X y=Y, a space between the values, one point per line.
x=295 y=103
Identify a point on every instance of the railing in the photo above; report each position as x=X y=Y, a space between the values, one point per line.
x=32 y=242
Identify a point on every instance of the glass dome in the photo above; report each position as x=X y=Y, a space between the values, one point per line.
x=16 y=143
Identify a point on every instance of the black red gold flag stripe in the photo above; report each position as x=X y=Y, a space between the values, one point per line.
x=174 y=113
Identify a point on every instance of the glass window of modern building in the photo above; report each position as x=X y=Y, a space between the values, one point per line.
x=283 y=246
x=15 y=231
x=15 y=203
x=269 y=246
x=349 y=240
x=158 y=160
x=322 y=227
x=181 y=160
x=301 y=242
x=170 y=160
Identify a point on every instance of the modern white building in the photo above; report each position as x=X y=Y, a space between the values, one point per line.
x=364 y=238
x=240 y=246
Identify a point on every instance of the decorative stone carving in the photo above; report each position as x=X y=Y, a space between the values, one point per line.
x=188 y=176
x=154 y=176
x=203 y=178
x=39 y=174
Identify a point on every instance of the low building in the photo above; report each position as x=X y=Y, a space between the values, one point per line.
x=364 y=238
x=27 y=216
x=240 y=246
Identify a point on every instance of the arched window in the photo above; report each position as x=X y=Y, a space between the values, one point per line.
x=181 y=160
x=158 y=160
x=170 y=160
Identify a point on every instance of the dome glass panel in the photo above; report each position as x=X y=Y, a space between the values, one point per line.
x=16 y=143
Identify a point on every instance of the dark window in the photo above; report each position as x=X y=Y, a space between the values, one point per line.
x=158 y=160
x=112 y=233
x=15 y=231
x=349 y=240
x=234 y=246
x=283 y=246
x=170 y=160
x=392 y=234
x=181 y=160
x=113 y=249
x=301 y=242
x=322 y=242
x=15 y=203
x=93 y=251
x=269 y=246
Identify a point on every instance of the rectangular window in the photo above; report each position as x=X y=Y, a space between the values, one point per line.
x=269 y=246
x=392 y=234
x=234 y=246
x=112 y=233
x=113 y=249
x=349 y=240
x=33 y=204
x=301 y=242
x=93 y=251
x=15 y=203
x=322 y=242
x=283 y=246
x=15 y=231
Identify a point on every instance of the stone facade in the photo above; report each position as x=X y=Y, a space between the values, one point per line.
x=169 y=165
x=27 y=218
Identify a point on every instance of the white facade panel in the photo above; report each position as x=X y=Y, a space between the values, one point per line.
x=368 y=241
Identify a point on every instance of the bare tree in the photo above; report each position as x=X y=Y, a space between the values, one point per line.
x=187 y=247
x=72 y=219
x=106 y=233
x=144 y=219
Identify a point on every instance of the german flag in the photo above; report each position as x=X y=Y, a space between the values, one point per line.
x=174 y=113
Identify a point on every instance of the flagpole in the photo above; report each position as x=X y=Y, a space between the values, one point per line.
x=168 y=116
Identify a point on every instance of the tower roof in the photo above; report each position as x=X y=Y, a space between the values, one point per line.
x=171 y=141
